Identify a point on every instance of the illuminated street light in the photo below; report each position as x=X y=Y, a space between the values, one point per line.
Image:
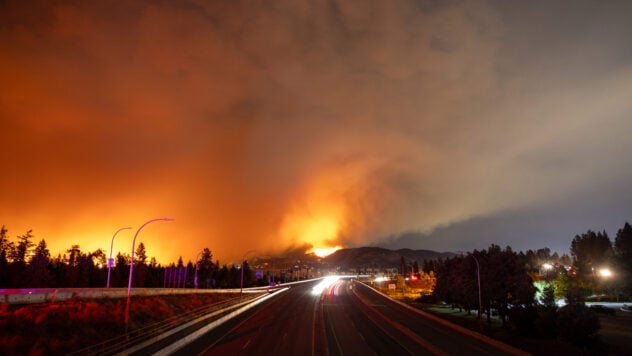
x=131 y=267
x=110 y=260
x=241 y=285
x=605 y=272
x=547 y=267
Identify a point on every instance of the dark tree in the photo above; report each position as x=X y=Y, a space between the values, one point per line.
x=140 y=266
x=140 y=256
x=6 y=251
x=72 y=266
x=545 y=323
x=120 y=273
x=19 y=260
x=206 y=269
x=416 y=268
x=6 y=247
x=623 y=242
x=249 y=278
x=565 y=260
x=38 y=272
x=98 y=272
x=23 y=247
x=505 y=282
x=590 y=252
x=457 y=283
x=575 y=321
x=623 y=258
x=155 y=274
x=59 y=269
x=190 y=275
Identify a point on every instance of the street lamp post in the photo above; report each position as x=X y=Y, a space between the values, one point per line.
x=131 y=268
x=110 y=260
x=197 y=259
x=241 y=285
x=478 y=274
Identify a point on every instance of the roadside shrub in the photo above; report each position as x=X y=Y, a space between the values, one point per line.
x=3 y=308
x=522 y=319
x=546 y=322
x=578 y=324
x=62 y=327
x=428 y=299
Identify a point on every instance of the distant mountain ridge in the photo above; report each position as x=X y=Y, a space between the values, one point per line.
x=378 y=257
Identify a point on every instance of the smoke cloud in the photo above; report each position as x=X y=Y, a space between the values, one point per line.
x=289 y=124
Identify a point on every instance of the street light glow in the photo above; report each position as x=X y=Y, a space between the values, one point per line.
x=605 y=272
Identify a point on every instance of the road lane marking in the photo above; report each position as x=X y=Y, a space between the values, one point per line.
x=416 y=338
x=484 y=338
x=172 y=348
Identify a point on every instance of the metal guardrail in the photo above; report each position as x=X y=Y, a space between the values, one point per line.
x=154 y=331
x=46 y=295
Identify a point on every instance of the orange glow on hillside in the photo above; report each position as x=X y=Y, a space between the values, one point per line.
x=324 y=251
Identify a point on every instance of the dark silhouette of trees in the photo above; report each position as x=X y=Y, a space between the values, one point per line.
x=19 y=257
x=120 y=272
x=6 y=248
x=38 y=271
x=432 y=265
x=155 y=274
x=623 y=260
x=24 y=264
x=623 y=242
x=504 y=282
x=575 y=321
x=140 y=266
x=590 y=252
x=402 y=265
x=22 y=248
x=545 y=323
x=206 y=269
x=248 y=275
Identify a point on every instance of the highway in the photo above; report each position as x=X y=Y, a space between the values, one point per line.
x=346 y=318
x=285 y=325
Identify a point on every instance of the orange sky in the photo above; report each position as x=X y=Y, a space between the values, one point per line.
x=292 y=124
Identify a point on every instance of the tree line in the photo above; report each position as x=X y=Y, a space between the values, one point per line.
x=26 y=264
x=522 y=288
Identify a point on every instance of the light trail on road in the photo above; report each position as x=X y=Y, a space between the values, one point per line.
x=338 y=316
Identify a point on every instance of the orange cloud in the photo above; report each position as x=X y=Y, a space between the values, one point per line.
x=266 y=127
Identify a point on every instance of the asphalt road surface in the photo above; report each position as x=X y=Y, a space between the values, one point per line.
x=344 y=318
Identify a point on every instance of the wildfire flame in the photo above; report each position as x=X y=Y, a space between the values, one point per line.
x=324 y=251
